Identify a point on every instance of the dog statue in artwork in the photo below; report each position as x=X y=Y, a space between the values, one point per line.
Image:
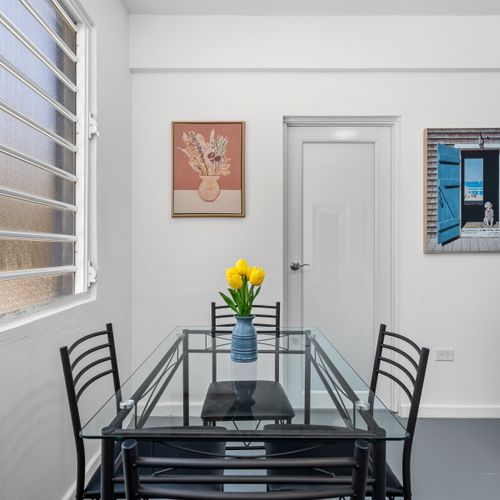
x=489 y=214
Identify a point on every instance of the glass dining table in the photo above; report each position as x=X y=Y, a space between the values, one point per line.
x=189 y=389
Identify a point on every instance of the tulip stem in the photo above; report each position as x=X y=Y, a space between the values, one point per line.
x=241 y=300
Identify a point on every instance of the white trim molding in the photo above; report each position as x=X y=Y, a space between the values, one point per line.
x=455 y=411
x=91 y=467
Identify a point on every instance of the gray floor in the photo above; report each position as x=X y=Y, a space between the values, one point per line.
x=452 y=460
x=455 y=459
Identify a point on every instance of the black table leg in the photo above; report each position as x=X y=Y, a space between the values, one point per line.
x=379 y=471
x=185 y=379
x=107 y=469
x=307 y=379
x=214 y=355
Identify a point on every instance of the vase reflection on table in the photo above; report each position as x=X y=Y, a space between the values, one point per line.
x=244 y=401
x=244 y=382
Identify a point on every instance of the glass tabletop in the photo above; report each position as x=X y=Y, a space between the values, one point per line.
x=300 y=387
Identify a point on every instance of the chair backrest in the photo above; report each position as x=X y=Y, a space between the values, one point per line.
x=267 y=318
x=409 y=364
x=85 y=362
x=333 y=487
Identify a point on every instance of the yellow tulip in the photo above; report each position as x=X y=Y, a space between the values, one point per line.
x=249 y=272
x=230 y=271
x=257 y=276
x=235 y=281
x=242 y=267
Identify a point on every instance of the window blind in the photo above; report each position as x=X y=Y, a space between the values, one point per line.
x=38 y=153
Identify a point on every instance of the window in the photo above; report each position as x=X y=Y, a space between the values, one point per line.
x=473 y=181
x=44 y=152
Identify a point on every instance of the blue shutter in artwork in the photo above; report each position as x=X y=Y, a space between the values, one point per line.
x=448 y=193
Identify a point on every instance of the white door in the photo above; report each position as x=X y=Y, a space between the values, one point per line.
x=339 y=221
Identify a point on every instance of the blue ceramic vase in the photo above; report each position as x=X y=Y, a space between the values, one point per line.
x=244 y=340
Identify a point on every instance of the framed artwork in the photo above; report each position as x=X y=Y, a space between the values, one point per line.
x=208 y=169
x=461 y=190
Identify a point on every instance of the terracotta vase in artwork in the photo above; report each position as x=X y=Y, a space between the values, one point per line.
x=209 y=188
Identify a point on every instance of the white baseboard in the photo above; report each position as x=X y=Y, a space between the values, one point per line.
x=92 y=465
x=455 y=411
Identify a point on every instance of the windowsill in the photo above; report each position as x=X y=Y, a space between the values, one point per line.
x=36 y=313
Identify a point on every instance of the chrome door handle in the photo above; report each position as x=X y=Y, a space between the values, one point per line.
x=295 y=266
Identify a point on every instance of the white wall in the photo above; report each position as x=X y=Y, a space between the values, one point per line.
x=218 y=68
x=37 y=451
x=299 y=42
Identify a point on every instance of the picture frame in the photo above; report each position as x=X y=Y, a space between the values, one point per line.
x=461 y=190
x=208 y=169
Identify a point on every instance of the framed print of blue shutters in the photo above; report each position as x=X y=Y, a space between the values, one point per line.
x=448 y=192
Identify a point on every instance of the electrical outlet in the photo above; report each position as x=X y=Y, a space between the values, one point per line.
x=447 y=354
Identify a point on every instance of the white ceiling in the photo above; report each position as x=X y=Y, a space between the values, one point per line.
x=314 y=7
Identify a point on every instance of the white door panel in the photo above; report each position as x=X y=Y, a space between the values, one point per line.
x=338 y=242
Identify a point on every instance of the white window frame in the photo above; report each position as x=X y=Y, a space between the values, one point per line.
x=85 y=251
x=85 y=159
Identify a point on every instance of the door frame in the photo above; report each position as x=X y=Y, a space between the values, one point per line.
x=393 y=124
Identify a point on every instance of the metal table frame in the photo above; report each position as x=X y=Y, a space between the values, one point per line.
x=177 y=356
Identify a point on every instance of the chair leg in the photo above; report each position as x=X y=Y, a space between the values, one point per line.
x=407 y=492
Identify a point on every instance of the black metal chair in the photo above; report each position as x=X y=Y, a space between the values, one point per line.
x=138 y=486
x=229 y=400
x=412 y=367
x=96 y=353
x=75 y=366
